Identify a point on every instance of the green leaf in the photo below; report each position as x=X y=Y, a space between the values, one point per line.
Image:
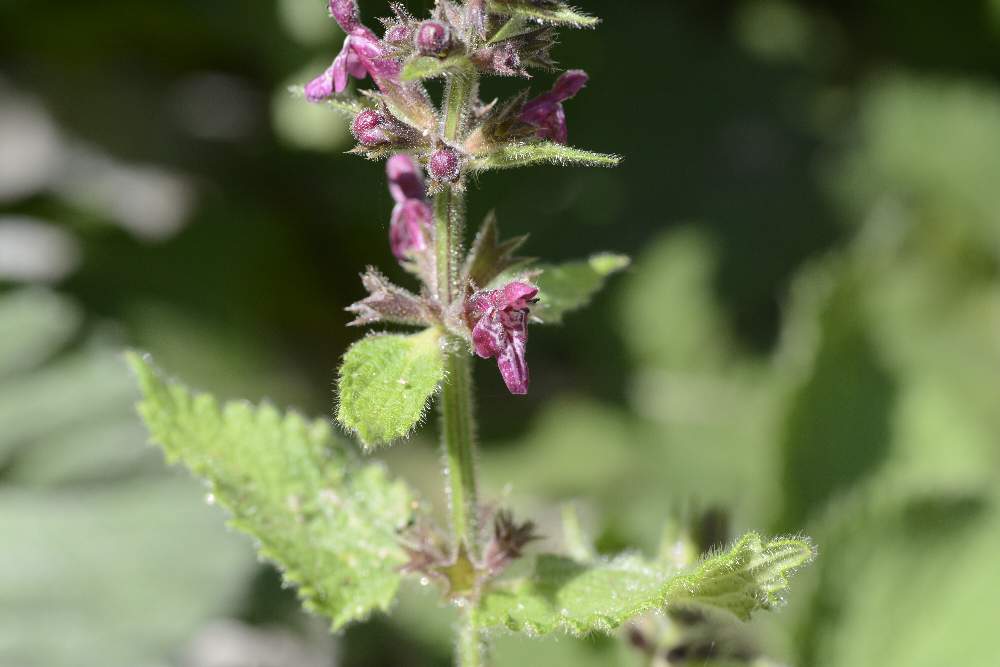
x=567 y=287
x=488 y=256
x=565 y=595
x=429 y=67
x=328 y=521
x=517 y=25
x=385 y=384
x=553 y=12
x=511 y=156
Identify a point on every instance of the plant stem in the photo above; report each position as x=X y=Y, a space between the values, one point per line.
x=457 y=409
x=459 y=444
x=470 y=648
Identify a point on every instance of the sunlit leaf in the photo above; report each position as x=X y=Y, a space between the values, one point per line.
x=327 y=521
x=429 y=67
x=564 y=288
x=565 y=595
x=385 y=385
x=553 y=12
x=511 y=156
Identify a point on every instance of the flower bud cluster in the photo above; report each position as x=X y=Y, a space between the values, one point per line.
x=397 y=120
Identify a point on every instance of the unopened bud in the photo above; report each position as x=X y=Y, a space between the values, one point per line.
x=433 y=38
x=368 y=128
x=445 y=165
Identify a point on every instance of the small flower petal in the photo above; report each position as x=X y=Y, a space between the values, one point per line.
x=546 y=112
x=405 y=178
x=346 y=13
x=321 y=87
x=501 y=330
x=409 y=230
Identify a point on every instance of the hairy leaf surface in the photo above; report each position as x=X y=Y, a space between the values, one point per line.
x=511 y=156
x=566 y=595
x=557 y=13
x=328 y=521
x=429 y=67
x=385 y=384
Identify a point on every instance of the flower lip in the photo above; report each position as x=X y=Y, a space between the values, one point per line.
x=519 y=295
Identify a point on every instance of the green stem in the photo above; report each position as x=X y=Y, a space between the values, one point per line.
x=457 y=94
x=459 y=445
x=471 y=649
x=457 y=409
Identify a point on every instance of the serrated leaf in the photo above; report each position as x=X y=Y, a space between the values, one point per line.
x=512 y=156
x=565 y=595
x=385 y=384
x=556 y=13
x=326 y=520
x=429 y=67
x=564 y=288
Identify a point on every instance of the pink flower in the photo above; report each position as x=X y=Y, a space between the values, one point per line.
x=546 y=112
x=412 y=218
x=500 y=330
x=363 y=54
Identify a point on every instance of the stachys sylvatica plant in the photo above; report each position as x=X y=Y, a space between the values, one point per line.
x=343 y=530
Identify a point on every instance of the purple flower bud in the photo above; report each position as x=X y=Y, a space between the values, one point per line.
x=500 y=329
x=546 y=112
x=369 y=128
x=412 y=217
x=432 y=38
x=445 y=165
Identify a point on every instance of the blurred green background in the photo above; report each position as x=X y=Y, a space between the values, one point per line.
x=808 y=340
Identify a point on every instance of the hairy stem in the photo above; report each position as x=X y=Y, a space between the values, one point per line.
x=458 y=420
x=458 y=94
x=459 y=444
x=471 y=649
